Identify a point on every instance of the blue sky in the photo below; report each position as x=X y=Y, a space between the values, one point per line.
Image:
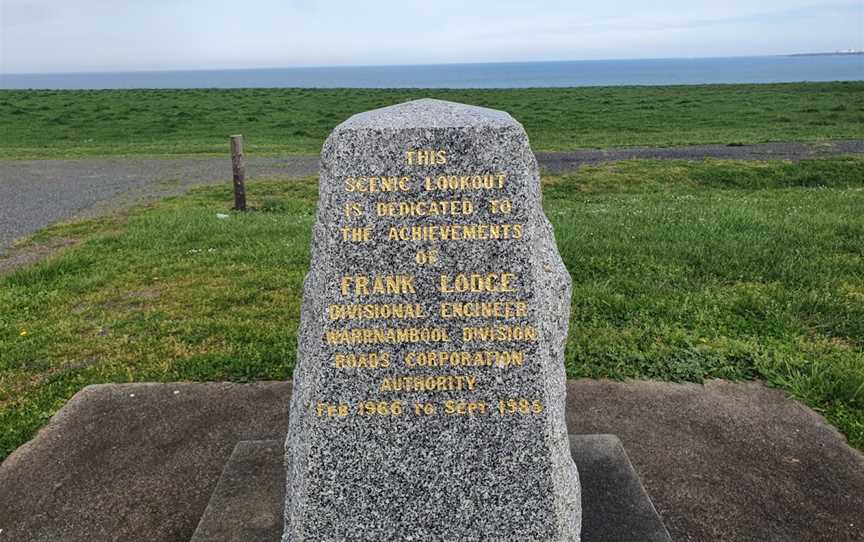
x=111 y=35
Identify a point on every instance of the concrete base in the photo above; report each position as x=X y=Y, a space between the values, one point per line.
x=723 y=462
x=247 y=503
x=615 y=506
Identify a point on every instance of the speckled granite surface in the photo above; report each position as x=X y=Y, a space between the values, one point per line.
x=429 y=397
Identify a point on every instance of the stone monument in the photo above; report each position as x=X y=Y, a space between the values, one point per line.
x=429 y=391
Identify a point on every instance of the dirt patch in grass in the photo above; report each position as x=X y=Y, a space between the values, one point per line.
x=23 y=256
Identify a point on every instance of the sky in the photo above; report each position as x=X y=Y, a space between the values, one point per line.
x=38 y=36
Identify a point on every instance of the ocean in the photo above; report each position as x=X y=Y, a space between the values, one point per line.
x=679 y=71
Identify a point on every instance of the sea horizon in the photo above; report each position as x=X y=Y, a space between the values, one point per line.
x=784 y=68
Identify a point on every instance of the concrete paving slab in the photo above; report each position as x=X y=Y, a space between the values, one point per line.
x=721 y=462
x=730 y=461
x=615 y=506
x=133 y=462
x=249 y=500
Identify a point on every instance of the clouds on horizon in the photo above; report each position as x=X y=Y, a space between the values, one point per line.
x=107 y=35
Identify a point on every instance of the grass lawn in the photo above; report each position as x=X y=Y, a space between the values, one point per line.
x=682 y=271
x=50 y=124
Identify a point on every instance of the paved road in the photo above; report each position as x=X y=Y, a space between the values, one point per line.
x=37 y=193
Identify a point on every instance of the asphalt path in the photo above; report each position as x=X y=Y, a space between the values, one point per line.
x=38 y=193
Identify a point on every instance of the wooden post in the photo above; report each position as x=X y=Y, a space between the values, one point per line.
x=238 y=162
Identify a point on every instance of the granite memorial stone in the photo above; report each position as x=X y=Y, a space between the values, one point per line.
x=429 y=391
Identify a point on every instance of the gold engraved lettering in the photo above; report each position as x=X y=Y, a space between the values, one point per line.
x=353 y=209
x=476 y=283
x=362 y=285
x=387 y=335
x=483 y=309
x=379 y=408
x=372 y=360
x=456 y=232
x=426 y=157
x=519 y=406
x=504 y=206
x=491 y=181
x=429 y=383
x=424 y=208
x=402 y=311
x=356 y=235
x=522 y=333
x=465 y=358
x=331 y=410
x=464 y=408
x=377 y=184
x=426 y=257
x=427 y=409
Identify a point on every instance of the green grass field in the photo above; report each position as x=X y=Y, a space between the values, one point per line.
x=682 y=271
x=51 y=124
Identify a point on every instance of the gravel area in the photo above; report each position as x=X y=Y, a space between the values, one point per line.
x=37 y=193
x=560 y=162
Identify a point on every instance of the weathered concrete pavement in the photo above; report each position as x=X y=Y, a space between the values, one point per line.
x=721 y=462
